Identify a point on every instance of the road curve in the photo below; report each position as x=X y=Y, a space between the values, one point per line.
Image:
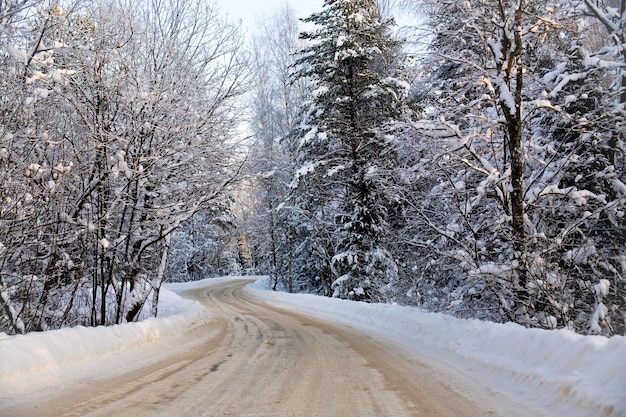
x=257 y=360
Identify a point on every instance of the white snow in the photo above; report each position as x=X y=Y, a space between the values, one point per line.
x=602 y=288
x=564 y=79
x=21 y=56
x=37 y=361
x=507 y=97
x=558 y=372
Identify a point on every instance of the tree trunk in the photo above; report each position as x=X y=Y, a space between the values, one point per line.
x=160 y=278
x=514 y=68
x=515 y=125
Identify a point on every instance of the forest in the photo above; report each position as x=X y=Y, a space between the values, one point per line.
x=469 y=162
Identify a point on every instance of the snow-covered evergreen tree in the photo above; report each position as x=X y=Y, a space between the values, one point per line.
x=346 y=148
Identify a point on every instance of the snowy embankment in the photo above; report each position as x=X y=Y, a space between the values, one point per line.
x=559 y=371
x=36 y=360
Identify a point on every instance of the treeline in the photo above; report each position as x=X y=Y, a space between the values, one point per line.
x=117 y=120
x=472 y=163
x=477 y=168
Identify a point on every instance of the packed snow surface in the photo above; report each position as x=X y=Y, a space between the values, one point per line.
x=557 y=371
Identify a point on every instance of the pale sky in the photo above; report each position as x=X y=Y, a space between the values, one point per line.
x=249 y=10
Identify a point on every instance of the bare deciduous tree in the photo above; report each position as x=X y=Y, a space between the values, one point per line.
x=126 y=128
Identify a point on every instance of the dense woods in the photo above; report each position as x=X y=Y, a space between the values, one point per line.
x=471 y=163
x=477 y=169
x=116 y=127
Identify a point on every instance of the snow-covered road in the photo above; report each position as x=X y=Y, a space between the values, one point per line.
x=238 y=351
x=260 y=361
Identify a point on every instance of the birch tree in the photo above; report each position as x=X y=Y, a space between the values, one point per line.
x=275 y=103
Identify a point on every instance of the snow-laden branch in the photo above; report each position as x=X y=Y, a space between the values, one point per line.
x=613 y=28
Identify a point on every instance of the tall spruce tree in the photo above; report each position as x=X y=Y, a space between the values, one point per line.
x=346 y=149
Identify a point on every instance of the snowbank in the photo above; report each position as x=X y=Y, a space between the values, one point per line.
x=54 y=355
x=560 y=370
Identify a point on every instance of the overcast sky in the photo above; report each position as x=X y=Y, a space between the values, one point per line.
x=248 y=10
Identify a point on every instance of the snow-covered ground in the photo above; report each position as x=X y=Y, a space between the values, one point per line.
x=558 y=371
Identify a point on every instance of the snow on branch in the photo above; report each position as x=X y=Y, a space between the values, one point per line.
x=437 y=130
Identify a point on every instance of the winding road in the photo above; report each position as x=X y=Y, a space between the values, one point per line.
x=256 y=360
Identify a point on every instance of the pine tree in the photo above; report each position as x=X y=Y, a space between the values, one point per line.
x=346 y=147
